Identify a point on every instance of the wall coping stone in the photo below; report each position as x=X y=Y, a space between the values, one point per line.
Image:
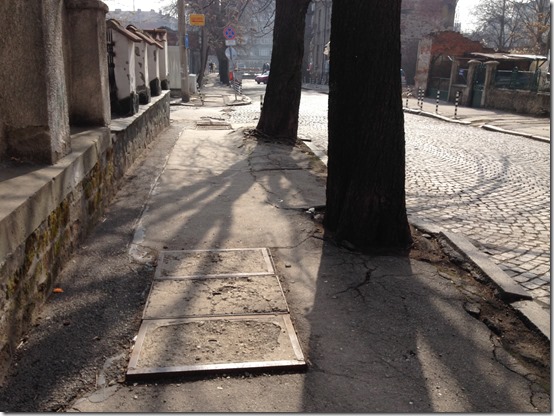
x=28 y=199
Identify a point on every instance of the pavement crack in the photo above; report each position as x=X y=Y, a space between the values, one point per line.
x=507 y=360
x=356 y=288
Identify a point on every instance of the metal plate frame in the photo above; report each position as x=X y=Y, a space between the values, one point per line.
x=270 y=269
x=134 y=371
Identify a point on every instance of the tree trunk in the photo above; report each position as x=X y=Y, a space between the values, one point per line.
x=279 y=117
x=366 y=169
x=223 y=65
x=203 y=57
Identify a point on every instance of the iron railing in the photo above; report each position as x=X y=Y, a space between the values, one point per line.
x=522 y=80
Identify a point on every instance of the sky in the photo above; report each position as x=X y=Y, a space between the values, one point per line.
x=464 y=8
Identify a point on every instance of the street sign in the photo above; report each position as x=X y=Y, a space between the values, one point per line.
x=229 y=33
x=230 y=42
x=197 y=20
x=231 y=53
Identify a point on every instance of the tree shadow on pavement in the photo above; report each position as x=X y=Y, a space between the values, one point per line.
x=390 y=334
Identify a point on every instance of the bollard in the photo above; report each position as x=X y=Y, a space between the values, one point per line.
x=437 y=105
x=421 y=99
x=261 y=102
x=418 y=97
x=408 y=96
x=456 y=104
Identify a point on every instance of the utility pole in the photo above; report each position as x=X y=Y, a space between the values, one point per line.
x=185 y=94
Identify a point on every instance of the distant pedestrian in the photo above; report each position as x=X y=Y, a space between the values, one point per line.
x=211 y=65
x=265 y=67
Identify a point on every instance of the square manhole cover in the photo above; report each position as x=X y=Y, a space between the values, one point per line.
x=179 y=298
x=193 y=345
x=214 y=263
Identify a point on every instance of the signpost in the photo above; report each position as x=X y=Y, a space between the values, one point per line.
x=231 y=53
x=197 y=20
x=229 y=34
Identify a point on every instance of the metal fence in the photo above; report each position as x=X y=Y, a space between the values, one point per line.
x=522 y=80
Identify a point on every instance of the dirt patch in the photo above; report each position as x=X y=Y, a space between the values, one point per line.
x=210 y=342
x=215 y=296
x=204 y=344
x=213 y=263
x=530 y=348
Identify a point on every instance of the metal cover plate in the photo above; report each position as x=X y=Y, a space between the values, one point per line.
x=213 y=125
x=180 y=298
x=214 y=263
x=192 y=345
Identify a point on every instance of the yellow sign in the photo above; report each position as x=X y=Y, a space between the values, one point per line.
x=197 y=20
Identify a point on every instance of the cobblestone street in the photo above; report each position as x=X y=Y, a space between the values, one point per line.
x=492 y=187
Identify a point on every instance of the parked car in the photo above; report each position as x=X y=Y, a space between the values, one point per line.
x=262 y=77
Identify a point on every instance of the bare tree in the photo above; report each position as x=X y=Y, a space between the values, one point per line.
x=513 y=25
x=365 y=183
x=245 y=16
x=535 y=17
x=279 y=117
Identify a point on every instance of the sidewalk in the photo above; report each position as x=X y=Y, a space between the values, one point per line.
x=537 y=128
x=379 y=334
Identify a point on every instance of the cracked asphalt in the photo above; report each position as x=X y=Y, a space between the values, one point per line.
x=492 y=187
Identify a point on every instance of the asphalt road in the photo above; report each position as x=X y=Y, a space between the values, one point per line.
x=492 y=187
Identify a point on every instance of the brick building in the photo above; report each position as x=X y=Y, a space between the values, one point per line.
x=420 y=18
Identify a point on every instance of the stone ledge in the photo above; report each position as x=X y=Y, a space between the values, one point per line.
x=121 y=124
x=27 y=200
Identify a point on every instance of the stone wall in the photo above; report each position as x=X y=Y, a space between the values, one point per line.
x=518 y=101
x=51 y=210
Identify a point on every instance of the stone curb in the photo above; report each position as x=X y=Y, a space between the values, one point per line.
x=531 y=312
x=515 y=133
x=484 y=126
x=437 y=116
x=509 y=290
x=230 y=101
x=534 y=315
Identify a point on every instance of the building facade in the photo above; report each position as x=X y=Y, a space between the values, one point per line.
x=418 y=19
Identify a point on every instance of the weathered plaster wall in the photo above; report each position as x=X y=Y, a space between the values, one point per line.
x=124 y=60
x=26 y=81
x=89 y=86
x=34 y=124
